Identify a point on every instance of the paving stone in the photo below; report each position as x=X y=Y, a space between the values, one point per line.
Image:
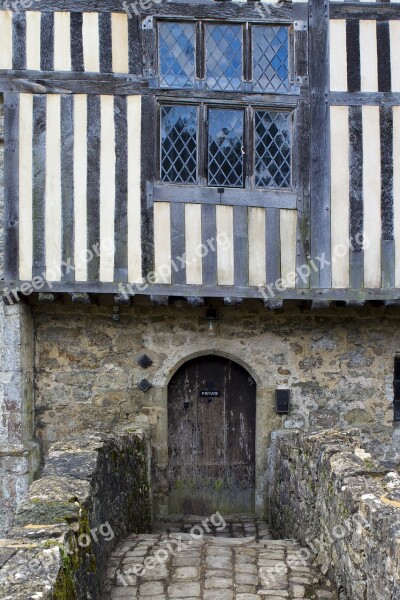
x=232 y=568
x=218 y=562
x=222 y=595
x=218 y=582
x=151 y=588
x=181 y=590
x=246 y=568
x=186 y=573
x=123 y=593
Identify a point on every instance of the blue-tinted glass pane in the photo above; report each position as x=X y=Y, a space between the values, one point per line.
x=176 y=54
x=271 y=59
x=224 y=56
x=272 y=150
x=225 y=147
x=179 y=144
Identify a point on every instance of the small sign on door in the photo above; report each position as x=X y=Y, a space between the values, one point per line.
x=209 y=393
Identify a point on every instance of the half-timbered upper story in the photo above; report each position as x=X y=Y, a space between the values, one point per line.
x=203 y=148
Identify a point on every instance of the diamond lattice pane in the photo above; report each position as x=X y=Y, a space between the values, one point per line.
x=176 y=54
x=224 y=57
x=225 y=148
x=271 y=59
x=179 y=144
x=272 y=150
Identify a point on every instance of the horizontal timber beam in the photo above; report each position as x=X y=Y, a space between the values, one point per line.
x=349 y=296
x=365 y=98
x=57 y=82
x=381 y=11
x=229 y=197
x=200 y=9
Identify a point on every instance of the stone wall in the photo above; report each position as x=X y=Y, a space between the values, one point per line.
x=19 y=451
x=94 y=490
x=338 y=365
x=1 y=186
x=327 y=492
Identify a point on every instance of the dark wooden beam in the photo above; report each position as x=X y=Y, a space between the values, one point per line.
x=274 y=303
x=195 y=301
x=232 y=301
x=381 y=11
x=159 y=300
x=365 y=98
x=202 y=291
x=195 y=9
x=320 y=139
x=11 y=185
x=81 y=298
x=122 y=300
x=230 y=197
x=46 y=298
x=320 y=304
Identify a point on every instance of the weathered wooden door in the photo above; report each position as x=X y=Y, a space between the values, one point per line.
x=211 y=431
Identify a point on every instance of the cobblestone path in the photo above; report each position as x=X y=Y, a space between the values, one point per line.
x=237 y=562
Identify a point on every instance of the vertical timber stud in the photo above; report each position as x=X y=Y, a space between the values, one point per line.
x=148 y=171
x=320 y=142
x=11 y=179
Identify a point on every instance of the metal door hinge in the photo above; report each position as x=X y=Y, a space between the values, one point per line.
x=147 y=22
x=300 y=25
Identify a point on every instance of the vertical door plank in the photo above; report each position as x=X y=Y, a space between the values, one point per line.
x=396 y=190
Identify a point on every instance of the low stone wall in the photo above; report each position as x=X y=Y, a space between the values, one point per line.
x=343 y=504
x=94 y=490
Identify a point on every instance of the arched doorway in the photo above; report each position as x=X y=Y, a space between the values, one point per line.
x=211 y=437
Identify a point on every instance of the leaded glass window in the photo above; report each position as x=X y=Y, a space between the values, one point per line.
x=225 y=147
x=179 y=144
x=271 y=59
x=272 y=149
x=224 y=57
x=176 y=54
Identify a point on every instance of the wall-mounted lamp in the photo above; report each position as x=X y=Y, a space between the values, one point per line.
x=212 y=319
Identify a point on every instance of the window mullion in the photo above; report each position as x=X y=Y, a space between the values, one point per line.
x=200 y=55
x=202 y=145
x=249 y=146
x=247 y=66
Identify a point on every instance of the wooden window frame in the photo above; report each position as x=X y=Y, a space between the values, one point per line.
x=296 y=101
x=249 y=189
x=152 y=74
